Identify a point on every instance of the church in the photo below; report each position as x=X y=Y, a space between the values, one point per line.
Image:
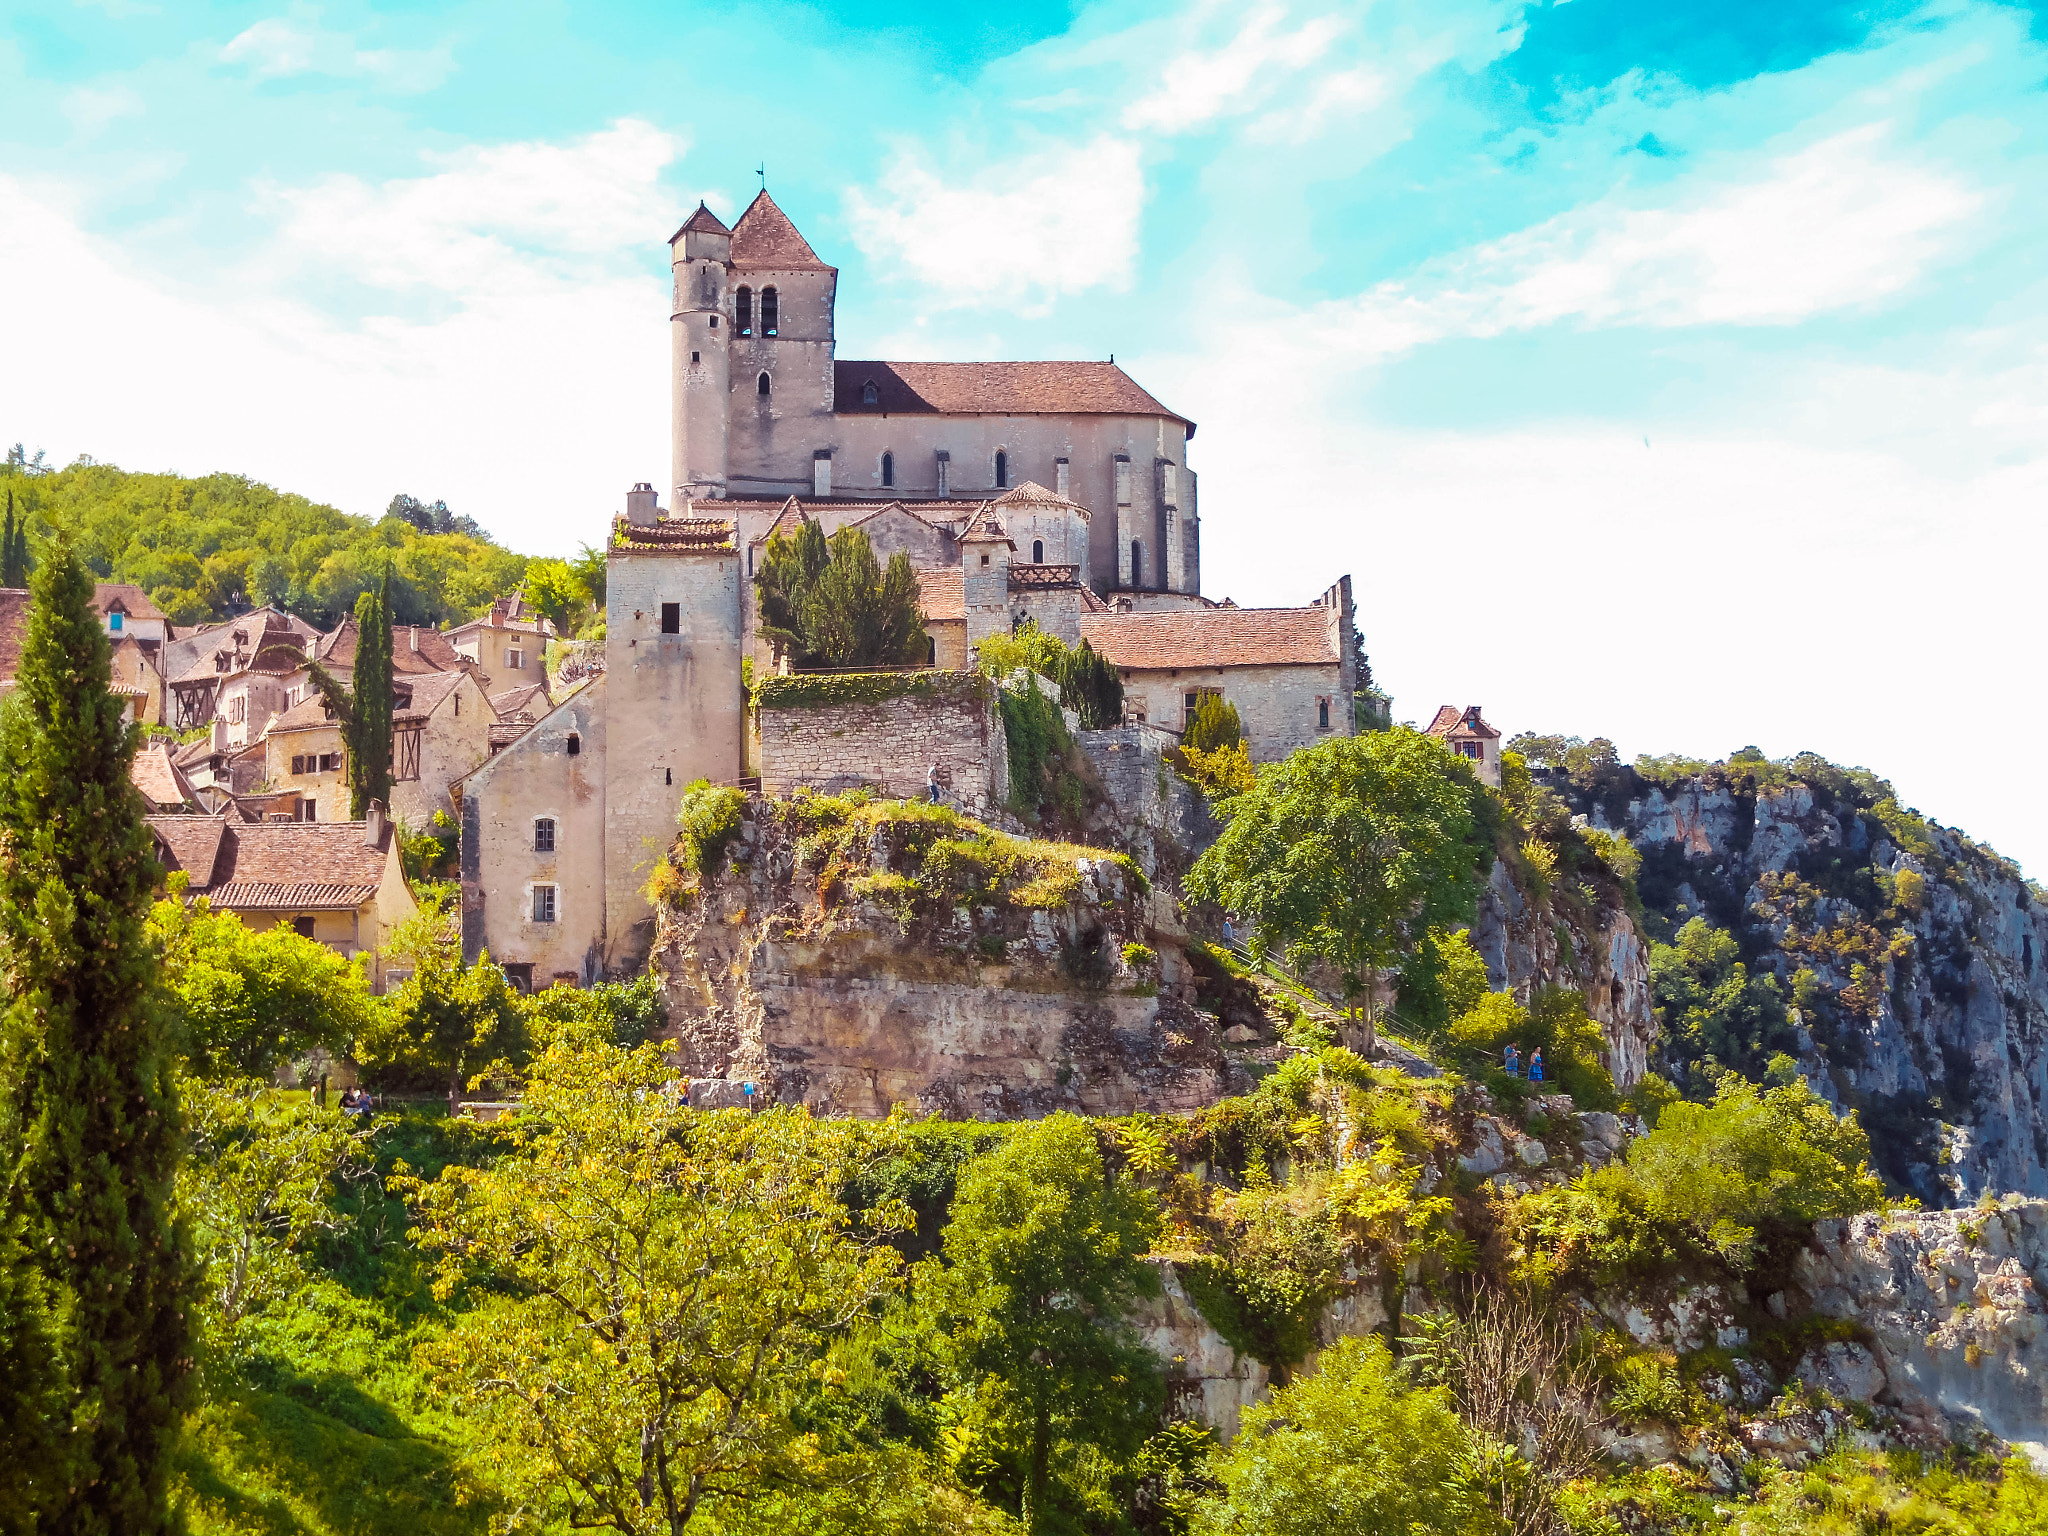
x=1057 y=492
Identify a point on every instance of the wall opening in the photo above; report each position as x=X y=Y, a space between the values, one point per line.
x=743 y=311
x=1038 y=551
x=888 y=469
x=869 y=395
x=1137 y=562
x=671 y=618
x=770 y=312
x=761 y=386
x=575 y=745
x=1002 y=470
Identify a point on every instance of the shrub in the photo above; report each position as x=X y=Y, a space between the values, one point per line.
x=1556 y=1023
x=710 y=819
x=1214 y=724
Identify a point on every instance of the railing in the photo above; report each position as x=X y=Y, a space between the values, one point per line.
x=1022 y=576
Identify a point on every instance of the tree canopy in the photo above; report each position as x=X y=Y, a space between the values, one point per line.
x=830 y=603
x=209 y=547
x=365 y=705
x=1350 y=851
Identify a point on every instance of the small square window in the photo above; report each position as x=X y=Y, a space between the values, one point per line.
x=303 y=927
x=516 y=660
x=543 y=903
x=984 y=559
x=671 y=618
x=544 y=834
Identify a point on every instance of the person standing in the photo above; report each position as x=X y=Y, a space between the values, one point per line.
x=931 y=783
x=1513 y=1056
x=1536 y=1065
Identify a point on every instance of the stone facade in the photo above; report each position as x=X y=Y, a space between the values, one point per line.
x=944 y=720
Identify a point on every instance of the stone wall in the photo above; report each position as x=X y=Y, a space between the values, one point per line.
x=1163 y=819
x=889 y=744
x=1277 y=705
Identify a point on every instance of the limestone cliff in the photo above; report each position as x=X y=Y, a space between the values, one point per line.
x=1905 y=954
x=851 y=957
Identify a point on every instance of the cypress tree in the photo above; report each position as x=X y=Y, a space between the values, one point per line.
x=364 y=710
x=14 y=547
x=86 y=1081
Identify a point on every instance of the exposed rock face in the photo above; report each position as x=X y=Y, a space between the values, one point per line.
x=1952 y=1301
x=992 y=1010
x=1527 y=948
x=1941 y=1041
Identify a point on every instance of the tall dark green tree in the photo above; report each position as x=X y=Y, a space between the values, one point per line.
x=14 y=547
x=90 y=1137
x=831 y=603
x=364 y=709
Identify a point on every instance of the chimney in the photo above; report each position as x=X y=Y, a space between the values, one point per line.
x=640 y=505
x=374 y=824
x=415 y=632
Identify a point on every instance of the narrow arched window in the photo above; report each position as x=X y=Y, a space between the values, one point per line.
x=1038 y=551
x=1002 y=469
x=869 y=395
x=770 y=312
x=1137 y=562
x=761 y=386
x=888 y=469
x=743 y=311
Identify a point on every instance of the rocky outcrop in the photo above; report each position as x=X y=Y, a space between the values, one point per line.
x=1927 y=1010
x=854 y=988
x=1528 y=945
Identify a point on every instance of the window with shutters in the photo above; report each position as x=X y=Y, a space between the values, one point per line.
x=543 y=903
x=516 y=660
x=543 y=834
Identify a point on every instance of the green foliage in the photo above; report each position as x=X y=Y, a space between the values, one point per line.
x=363 y=708
x=1351 y=1448
x=710 y=817
x=1556 y=1023
x=624 y=1014
x=659 y=1284
x=1040 y=752
x=446 y=1022
x=1351 y=851
x=569 y=593
x=1279 y=1260
x=832 y=604
x=1043 y=1262
x=1089 y=684
x=13 y=548
x=1444 y=979
x=1714 y=1011
x=1214 y=724
x=206 y=549
x=429 y=856
x=1226 y=771
x=250 y=1002
x=94 y=1300
x=802 y=690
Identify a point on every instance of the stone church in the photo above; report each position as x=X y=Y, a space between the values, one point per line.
x=1052 y=491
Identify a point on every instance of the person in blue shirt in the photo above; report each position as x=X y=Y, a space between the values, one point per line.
x=1514 y=1060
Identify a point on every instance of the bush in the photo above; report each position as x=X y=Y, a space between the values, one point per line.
x=710 y=819
x=1556 y=1023
x=1089 y=684
x=1214 y=724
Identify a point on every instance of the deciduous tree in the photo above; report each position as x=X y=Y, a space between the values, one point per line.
x=90 y=1132
x=1350 y=851
x=446 y=1021
x=660 y=1281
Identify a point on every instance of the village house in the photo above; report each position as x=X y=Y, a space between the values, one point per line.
x=509 y=643
x=163 y=784
x=338 y=882
x=440 y=729
x=1467 y=734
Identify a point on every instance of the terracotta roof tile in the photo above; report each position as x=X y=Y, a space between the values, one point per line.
x=429 y=692
x=300 y=896
x=1218 y=637
x=701 y=222
x=1455 y=724
x=1031 y=496
x=941 y=592
x=514 y=702
x=676 y=535
x=258 y=859
x=765 y=239
x=190 y=843
x=993 y=389
x=133 y=600
x=986 y=528
x=13 y=628
x=158 y=777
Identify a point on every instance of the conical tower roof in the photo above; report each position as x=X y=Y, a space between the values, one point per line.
x=703 y=221
x=764 y=238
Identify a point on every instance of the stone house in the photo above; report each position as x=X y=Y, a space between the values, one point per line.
x=562 y=825
x=133 y=674
x=440 y=729
x=1290 y=672
x=509 y=643
x=339 y=882
x=1467 y=734
x=763 y=409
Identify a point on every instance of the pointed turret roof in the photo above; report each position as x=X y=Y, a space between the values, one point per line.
x=702 y=222
x=986 y=528
x=764 y=238
x=1033 y=495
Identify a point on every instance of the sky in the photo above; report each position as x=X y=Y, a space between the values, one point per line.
x=1673 y=372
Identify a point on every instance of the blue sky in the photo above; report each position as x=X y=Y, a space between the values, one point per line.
x=1674 y=372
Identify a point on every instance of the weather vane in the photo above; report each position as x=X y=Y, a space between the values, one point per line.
x=761 y=171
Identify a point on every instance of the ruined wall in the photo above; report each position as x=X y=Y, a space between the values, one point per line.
x=851 y=1002
x=810 y=741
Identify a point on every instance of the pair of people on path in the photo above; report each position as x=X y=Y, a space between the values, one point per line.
x=1513 y=1055
x=355 y=1101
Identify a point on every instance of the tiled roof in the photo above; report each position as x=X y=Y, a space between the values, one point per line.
x=133 y=600
x=678 y=535
x=301 y=896
x=503 y=733
x=993 y=389
x=429 y=692
x=158 y=777
x=309 y=714
x=986 y=528
x=700 y=222
x=513 y=613
x=941 y=592
x=1033 y=497
x=191 y=843
x=516 y=701
x=764 y=238
x=1455 y=724
x=13 y=628
x=1213 y=637
x=250 y=864
x=415 y=649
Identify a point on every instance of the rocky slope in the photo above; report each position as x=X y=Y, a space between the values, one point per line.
x=1905 y=955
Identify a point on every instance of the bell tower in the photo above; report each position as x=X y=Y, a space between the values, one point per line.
x=700 y=338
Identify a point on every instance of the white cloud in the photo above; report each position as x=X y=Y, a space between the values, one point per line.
x=279 y=46
x=1834 y=226
x=91 y=108
x=1200 y=86
x=507 y=347
x=1029 y=229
